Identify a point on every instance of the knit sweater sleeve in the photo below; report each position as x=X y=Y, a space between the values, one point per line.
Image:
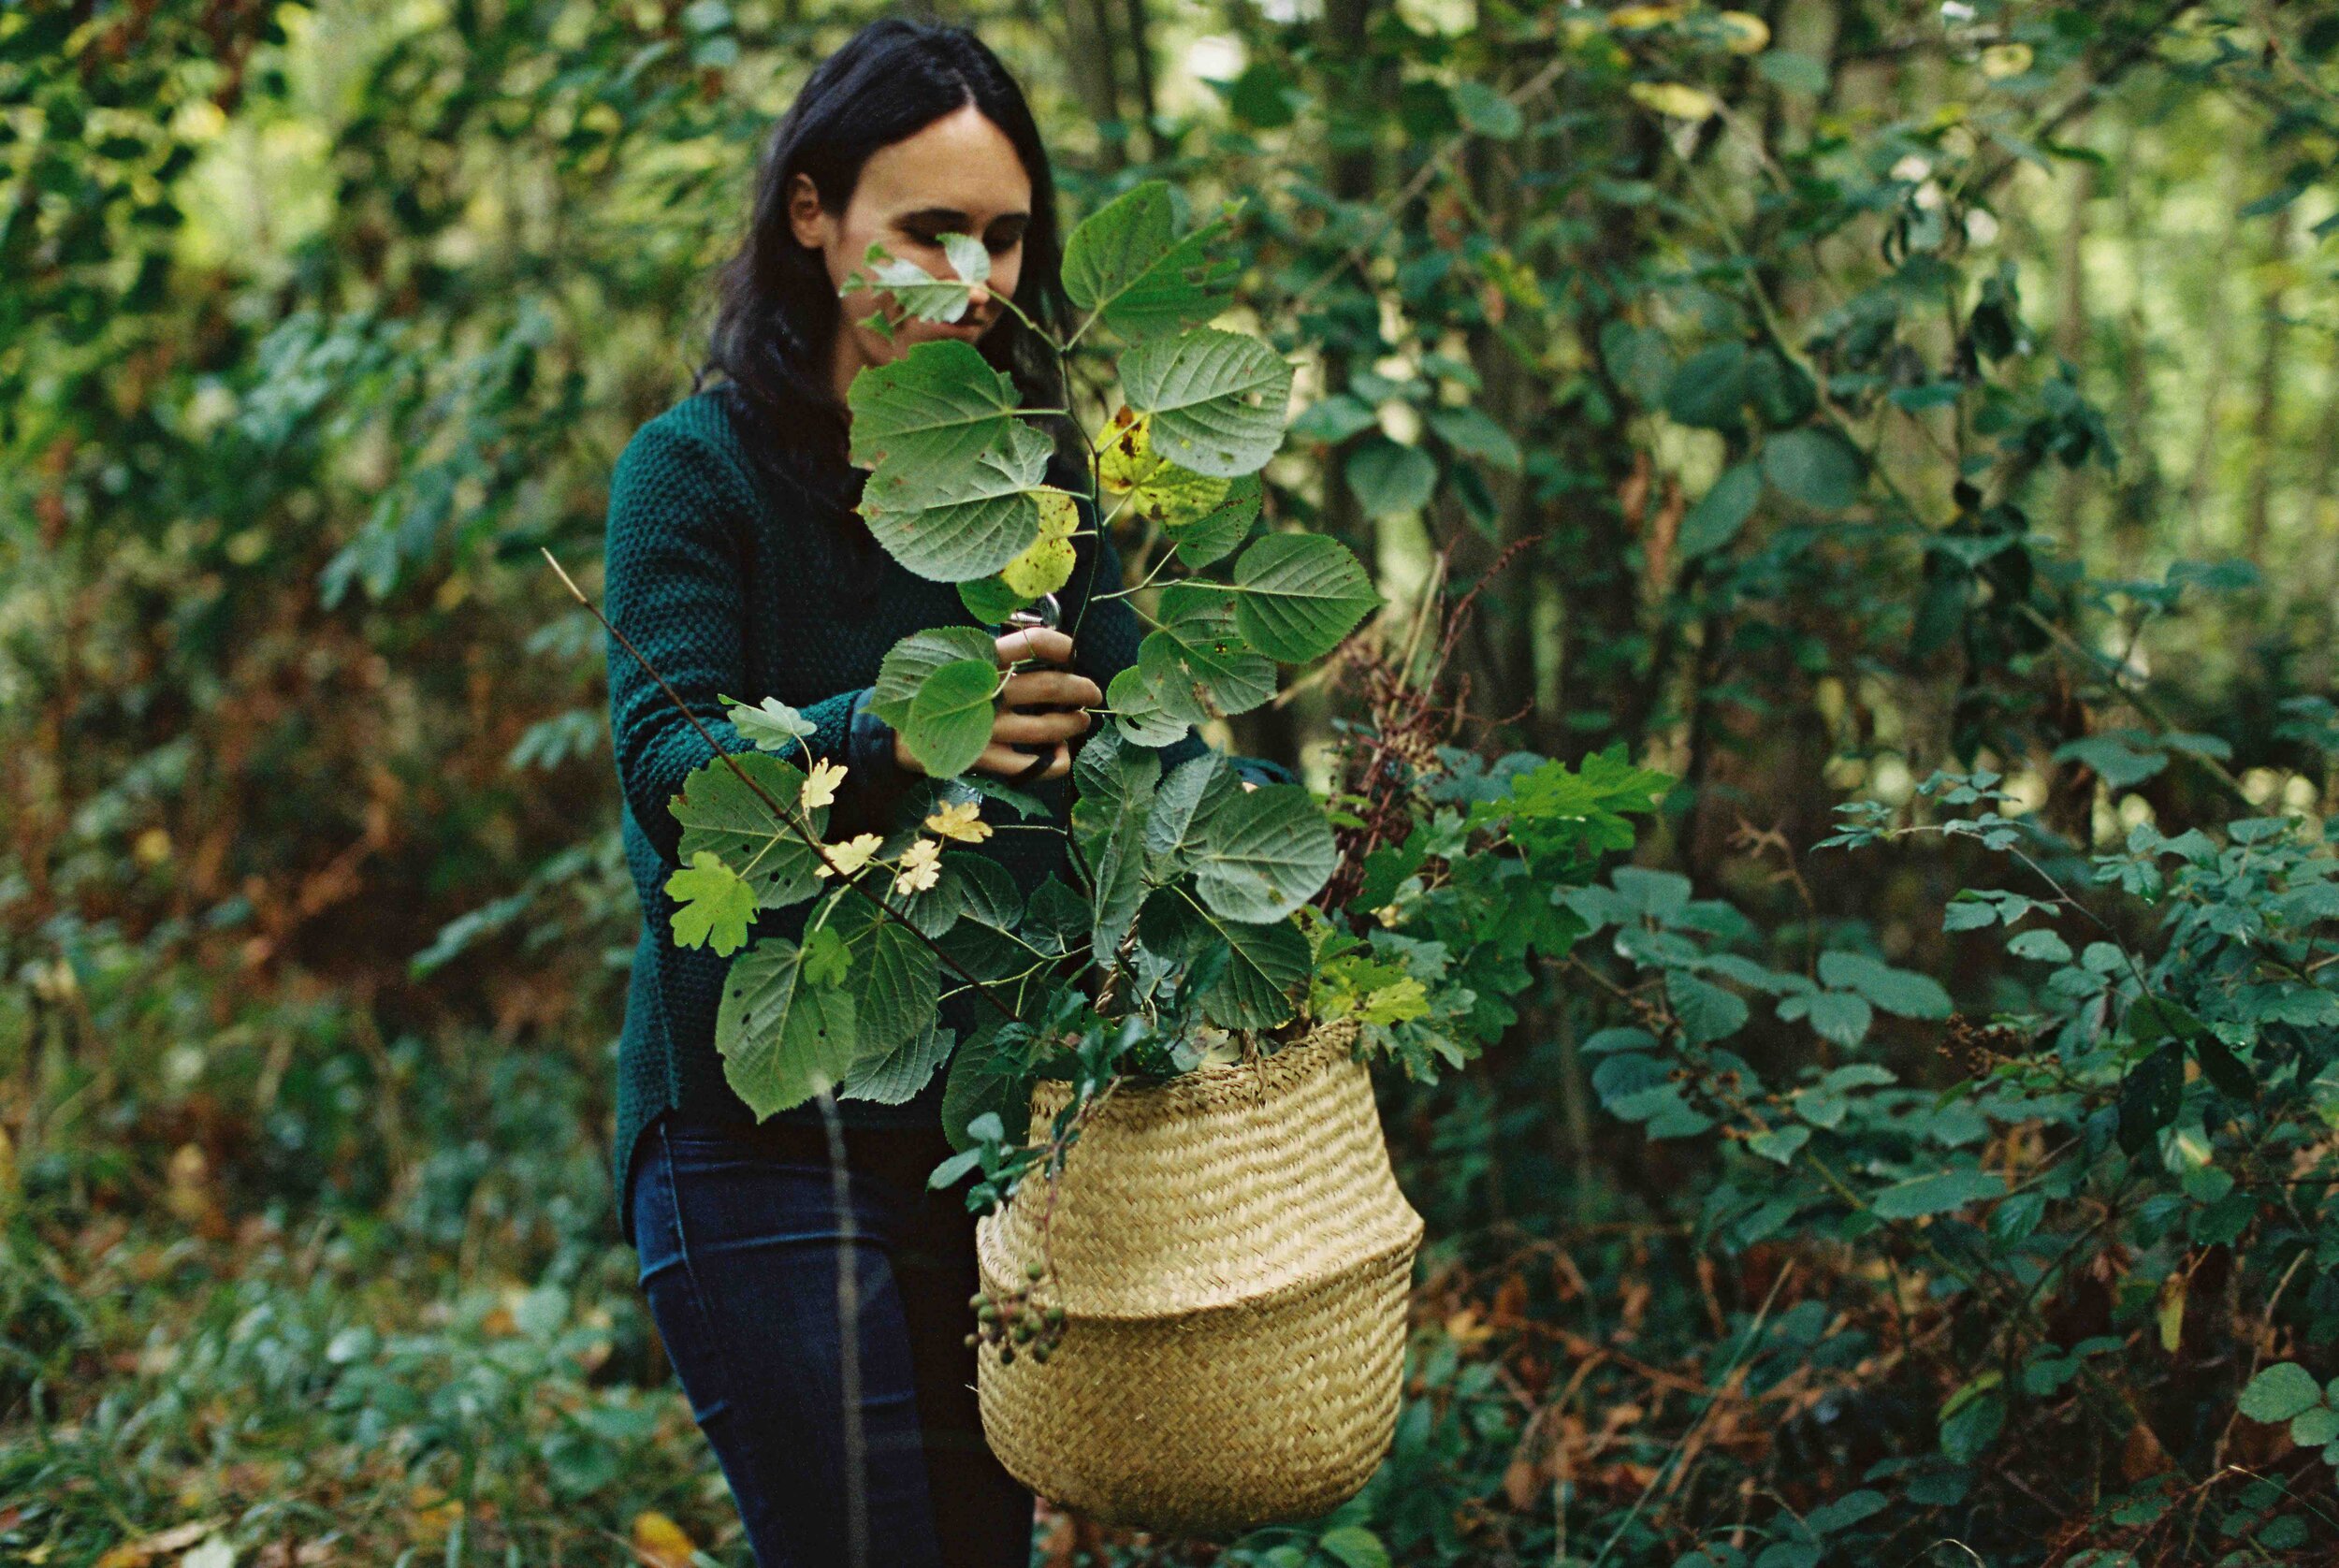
x=673 y=571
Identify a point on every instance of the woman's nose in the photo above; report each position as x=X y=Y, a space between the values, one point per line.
x=978 y=296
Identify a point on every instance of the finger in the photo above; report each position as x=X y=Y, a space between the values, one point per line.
x=1039 y=729
x=1049 y=688
x=1007 y=762
x=1044 y=644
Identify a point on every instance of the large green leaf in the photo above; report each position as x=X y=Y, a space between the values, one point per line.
x=1183 y=803
x=1216 y=398
x=1264 y=963
x=1216 y=533
x=968 y=520
x=1126 y=263
x=918 y=292
x=1388 y=479
x=783 y=1040
x=1142 y=712
x=1198 y=661
x=1115 y=784
x=949 y=719
x=896 y=1078
x=1298 y=594
x=927 y=414
x=910 y=662
x=894 y=976
x=720 y=813
x=1265 y=853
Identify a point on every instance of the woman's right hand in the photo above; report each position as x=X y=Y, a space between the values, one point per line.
x=1050 y=687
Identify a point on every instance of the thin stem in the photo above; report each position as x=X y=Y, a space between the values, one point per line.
x=849 y=878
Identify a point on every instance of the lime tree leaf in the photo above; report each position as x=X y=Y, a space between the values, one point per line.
x=967 y=521
x=896 y=1078
x=1126 y=262
x=1298 y=594
x=918 y=292
x=1215 y=533
x=783 y=1040
x=894 y=977
x=1722 y=512
x=1469 y=432
x=1199 y=661
x=720 y=814
x=1115 y=784
x=1264 y=963
x=949 y=719
x=1895 y=990
x=1216 y=398
x=1158 y=491
x=909 y=662
x=1814 y=467
x=1141 y=711
x=2281 y=1392
x=1047 y=564
x=772 y=727
x=715 y=905
x=1388 y=479
x=1263 y=855
x=1183 y=803
x=1937 y=1194
x=989 y=601
x=928 y=413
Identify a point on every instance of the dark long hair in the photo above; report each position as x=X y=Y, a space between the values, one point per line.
x=777 y=313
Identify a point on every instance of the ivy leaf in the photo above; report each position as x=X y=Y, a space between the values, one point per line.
x=783 y=1040
x=715 y=902
x=1215 y=533
x=896 y=1077
x=1264 y=853
x=720 y=814
x=1299 y=594
x=1198 y=661
x=1126 y=262
x=2281 y=1392
x=909 y=662
x=1937 y=1194
x=1722 y=512
x=949 y=719
x=1217 y=399
x=773 y=726
x=1389 y=479
x=1814 y=467
x=1895 y=990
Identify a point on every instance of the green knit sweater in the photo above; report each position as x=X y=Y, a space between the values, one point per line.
x=737 y=582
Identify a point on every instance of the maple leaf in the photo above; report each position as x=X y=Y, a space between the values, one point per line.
x=717 y=903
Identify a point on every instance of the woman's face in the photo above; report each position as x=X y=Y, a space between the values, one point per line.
x=960 y=175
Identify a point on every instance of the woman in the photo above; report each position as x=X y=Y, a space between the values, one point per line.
x=737 y=563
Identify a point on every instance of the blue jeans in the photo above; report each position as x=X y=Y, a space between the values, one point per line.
x=741 y=1236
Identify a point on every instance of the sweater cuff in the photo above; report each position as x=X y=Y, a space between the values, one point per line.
x=878 y=779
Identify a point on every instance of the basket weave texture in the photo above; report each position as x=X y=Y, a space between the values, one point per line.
x=1232 y=1257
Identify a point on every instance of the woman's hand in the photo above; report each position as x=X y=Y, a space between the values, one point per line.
x=1054 y=689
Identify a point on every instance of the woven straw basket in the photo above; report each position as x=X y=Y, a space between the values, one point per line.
x=1232 y=1257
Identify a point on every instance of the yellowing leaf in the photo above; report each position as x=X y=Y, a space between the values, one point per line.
x=2000 y=61
x=1675 y=99
x=2170 y=1318
x=820 y=787
x=1044 y=568
x=1394 y=1004
x=1630 y=17
x=717 y=903
x=660 y=1543
x=849 y=857
x=920 y=867
x=961 y=821
x=1744 y=32
x=1160 y=490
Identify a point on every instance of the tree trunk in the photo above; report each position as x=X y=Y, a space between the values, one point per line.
x=2274 y=341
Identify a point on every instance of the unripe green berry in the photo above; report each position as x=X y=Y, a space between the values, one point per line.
x=1034 y=1272
x=974 y=1302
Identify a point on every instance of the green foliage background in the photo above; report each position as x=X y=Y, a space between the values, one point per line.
x=1965 y=393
